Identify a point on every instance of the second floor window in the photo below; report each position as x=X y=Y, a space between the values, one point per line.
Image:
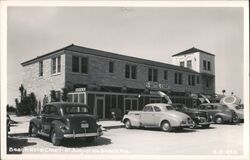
x=111 y=67
x=208 y=66
x=75 y=64
x=198 y=80
x=79 y=64
x=189 y=64
x=204 y=65
x=182 y=64
x=56 y=65
x=165 y=75
x=189 y=79
x=84 y=65
x=41 y=68
x=152 y=75
x=130 y=71
x=178 y=78
x=53 y=65
x=193 y=80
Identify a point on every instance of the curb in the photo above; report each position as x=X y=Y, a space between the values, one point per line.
x=104 y=128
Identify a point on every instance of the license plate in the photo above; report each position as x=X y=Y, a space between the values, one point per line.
x=84 y=125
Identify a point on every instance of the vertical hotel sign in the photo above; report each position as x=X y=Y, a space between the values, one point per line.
x=157 y=86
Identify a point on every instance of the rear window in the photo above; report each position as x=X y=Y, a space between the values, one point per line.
x=75 y=109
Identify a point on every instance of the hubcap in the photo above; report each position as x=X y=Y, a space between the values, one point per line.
x=193 y=125
x=127 y=124
x=53 y=137
x=219 y=120
x=34 y=130
x=166 y=126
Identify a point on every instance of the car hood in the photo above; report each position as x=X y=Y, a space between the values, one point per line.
x=177 y=114
x=192 y=111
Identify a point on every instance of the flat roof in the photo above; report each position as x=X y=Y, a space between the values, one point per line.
x=89 y=51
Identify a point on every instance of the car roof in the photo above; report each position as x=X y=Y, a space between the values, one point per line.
x=158 y=104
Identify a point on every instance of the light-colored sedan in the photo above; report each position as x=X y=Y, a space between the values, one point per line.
x=158 y=115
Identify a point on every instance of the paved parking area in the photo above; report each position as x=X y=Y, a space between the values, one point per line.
x=217 y=140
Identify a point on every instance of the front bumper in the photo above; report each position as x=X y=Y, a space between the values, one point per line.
x=78 y=135
x=185 y=125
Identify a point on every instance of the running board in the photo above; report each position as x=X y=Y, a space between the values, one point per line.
x=43 y=134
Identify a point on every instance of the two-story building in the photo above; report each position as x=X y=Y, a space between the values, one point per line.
x=110 y=82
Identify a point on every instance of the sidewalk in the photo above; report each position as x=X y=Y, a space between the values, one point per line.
x=111 y=124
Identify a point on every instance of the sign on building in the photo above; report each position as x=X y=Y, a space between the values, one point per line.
x=157 y=86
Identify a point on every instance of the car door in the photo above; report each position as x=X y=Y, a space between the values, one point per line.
x=52 y=115
x=157 y=115
x=44 y=116
x=147 y=116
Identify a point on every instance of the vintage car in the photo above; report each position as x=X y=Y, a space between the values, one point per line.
x=200 y=118
x=158 y=115
x=220 y=112
x=239 y=110
x=61 y=120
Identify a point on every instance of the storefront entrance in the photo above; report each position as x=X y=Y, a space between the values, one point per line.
x=130 y=104
x=99 y=108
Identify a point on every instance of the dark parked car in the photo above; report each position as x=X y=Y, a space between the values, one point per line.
x=220 y=112
x=200 y=118
x=61 y=120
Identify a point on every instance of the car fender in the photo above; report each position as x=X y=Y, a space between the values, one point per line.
x=174 y=122
x=57 y=127
x=135 y=122
x=37 y=122
x=224 y=116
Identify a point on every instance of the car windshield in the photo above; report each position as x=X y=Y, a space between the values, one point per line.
x=178 y=107
x=75 y=109
x=170 y=107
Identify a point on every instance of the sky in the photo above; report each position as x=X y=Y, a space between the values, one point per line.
x=149 y=33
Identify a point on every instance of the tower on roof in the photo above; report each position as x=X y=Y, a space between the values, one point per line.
x=195 y=59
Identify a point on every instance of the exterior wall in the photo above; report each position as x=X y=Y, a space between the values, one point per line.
x=209 y=58
x=98 y=73
x=195 y=57
x=208 y=90
x=41 y=86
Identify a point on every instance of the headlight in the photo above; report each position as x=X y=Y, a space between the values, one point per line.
x=183 y=122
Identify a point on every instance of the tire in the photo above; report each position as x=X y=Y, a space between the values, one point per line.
x=33 y=130
x=127 y=124
x=205 y=126
x=54 y=139
x=90 y=139
x=194 y=125
x=166 y=126
x=218 y=120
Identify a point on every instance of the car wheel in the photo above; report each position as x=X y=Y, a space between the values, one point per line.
x=166 y=127
x=90 y=139
x=218 y=120
x=205 y=126
x=194 y=125
x=54 y=139
x=235 y=119
x=33 y=130
x=128 y=124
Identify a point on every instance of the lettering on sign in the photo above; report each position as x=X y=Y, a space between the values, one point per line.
x=80 y=89
x=157 y=86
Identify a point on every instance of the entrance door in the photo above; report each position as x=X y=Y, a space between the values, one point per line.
x=130 y=104
x=100 y=111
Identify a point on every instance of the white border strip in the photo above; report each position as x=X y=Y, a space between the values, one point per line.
x=3 y=33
